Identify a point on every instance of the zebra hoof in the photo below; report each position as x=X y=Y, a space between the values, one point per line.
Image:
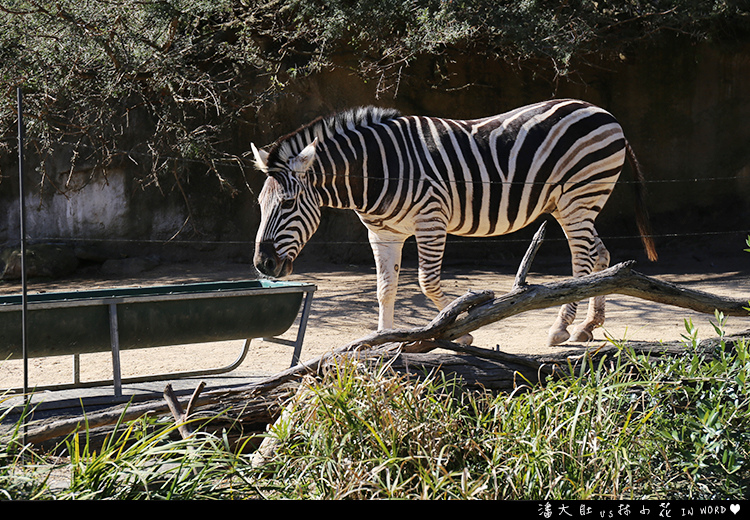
x=582 y=336
x=557 y=337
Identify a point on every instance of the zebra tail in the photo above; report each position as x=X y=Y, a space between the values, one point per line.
x=641 y=212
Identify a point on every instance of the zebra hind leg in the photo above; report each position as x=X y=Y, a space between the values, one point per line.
x=430 y=285
x=558 y=332
x=588 y=254
x=595 y=313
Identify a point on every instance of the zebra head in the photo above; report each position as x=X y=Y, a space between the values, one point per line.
x=289 y=209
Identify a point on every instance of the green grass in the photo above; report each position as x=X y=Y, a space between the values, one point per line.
x=629 y=427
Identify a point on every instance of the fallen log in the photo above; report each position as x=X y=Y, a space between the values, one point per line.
x=477 y=309
x=248 y=408
x=482 y=308
x=497 y=370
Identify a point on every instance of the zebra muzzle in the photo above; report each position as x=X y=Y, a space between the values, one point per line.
x=268 y=261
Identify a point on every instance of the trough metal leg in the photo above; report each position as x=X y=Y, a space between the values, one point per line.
x=76 y=369
x=297 y=343
x=114 y=336
x=301 y=329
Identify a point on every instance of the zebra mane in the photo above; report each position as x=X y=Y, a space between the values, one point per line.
x=323 y=127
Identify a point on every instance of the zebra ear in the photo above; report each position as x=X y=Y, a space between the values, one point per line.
x=304 y=160
x=261 y=158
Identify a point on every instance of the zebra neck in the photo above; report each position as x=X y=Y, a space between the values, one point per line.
x=340 y=187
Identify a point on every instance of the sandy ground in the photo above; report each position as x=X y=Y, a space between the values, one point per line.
x=344 y=309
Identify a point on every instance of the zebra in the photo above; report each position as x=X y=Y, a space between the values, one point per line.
x=428 y=177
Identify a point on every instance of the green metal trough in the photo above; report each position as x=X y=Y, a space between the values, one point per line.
x=100 y=320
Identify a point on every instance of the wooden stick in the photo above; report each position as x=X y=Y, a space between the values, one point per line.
x=193 y=403
x=179 y=415
x=528 y=257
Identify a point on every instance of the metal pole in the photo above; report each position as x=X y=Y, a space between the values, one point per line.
x=114 y=337
x=22 y=215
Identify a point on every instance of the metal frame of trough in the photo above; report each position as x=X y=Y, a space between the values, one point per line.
x=126 y=316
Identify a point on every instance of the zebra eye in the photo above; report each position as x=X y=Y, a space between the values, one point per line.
x=287 y=203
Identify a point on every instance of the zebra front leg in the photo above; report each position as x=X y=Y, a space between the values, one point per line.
x=386 y=248
x=430 y=247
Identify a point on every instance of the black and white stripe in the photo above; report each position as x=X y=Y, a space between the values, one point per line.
x=429 y=177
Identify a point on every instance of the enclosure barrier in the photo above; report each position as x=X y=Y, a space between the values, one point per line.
x=87 y=321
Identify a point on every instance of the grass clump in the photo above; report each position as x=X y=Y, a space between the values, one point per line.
x=134 y=465
x=630 y=427
x=20 y=474
x=140 y=460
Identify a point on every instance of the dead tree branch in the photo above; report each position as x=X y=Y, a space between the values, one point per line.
x=180 y=416
x=528 y=257
x=482 y=308
x=618 y=279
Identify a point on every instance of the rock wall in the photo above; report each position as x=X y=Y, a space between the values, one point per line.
x=685 y=109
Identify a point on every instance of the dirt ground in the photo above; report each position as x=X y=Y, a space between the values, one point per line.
x=344 y=308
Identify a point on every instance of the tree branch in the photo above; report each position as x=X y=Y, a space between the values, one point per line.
x=618 y=279
x=528 y=258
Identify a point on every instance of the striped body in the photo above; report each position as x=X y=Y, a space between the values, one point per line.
x=429 y=177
